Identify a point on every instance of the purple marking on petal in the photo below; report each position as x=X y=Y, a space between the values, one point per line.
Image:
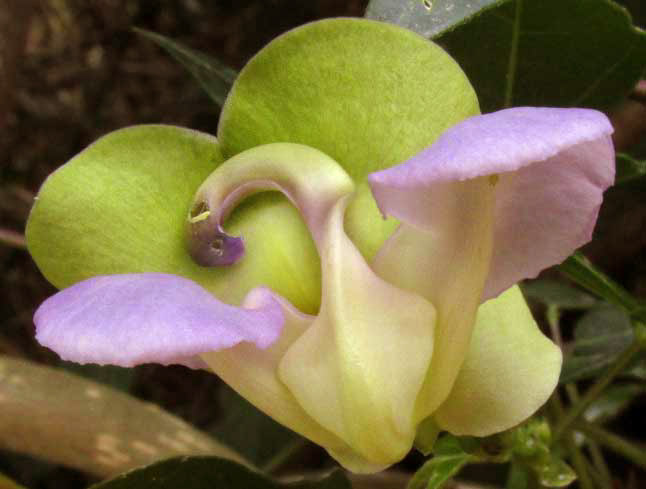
x=151 y=317
x=207 y=243
x=553 y=167
x=213 y=247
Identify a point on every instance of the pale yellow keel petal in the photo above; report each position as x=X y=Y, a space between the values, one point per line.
x=252 y=373
x=359 y=367
x=510 y=371
x=447 y=265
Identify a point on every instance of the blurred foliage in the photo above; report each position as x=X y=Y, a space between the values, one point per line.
x=600 y=336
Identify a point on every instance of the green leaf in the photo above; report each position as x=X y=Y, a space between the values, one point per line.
x=579 y=269
x=118 y=377
x=214 y=77
x=449 y=457
x=209 y=473
x=550 y=53
x=600 y=336
x=6 y=483
x=429 y=18
x=612 y=402
x=629 y=169
x=553 y=293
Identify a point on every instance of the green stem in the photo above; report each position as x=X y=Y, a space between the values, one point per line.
x=593 y=392
x=283 y=456
x=513 y=55
x=578 y=268
x=580 y=463
x=605 y=478
x=616 y=443
x=12 y=238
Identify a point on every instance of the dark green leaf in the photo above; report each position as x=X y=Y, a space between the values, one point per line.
x=553 y=293
x=448 y=459
x=117 y=377
x=612 y=402
x=550 y=53
x=430 y=18
x=579 y=269
x=250 y=432
x=216 y=78
x=599 y=338
x=209 y=473
x=629 y=169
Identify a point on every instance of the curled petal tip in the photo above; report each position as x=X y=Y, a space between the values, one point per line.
x=549 y=168
x=208 y=244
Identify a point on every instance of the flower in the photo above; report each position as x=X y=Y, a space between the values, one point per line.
x=347 y=328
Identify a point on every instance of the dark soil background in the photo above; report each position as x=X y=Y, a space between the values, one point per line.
x=72 y=70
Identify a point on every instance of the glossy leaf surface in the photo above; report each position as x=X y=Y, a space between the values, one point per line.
x=429 y=18
x=209 y=473
x=564 y=53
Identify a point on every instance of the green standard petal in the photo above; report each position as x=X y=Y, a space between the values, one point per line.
x=120 y=206
x=510 y=370
x=368 y=94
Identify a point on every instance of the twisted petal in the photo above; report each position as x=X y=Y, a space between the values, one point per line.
x=549 y=167
x=131 y=319
x=253 y=373
x=368 y=94
x=509 y=372
x=345 y=369
x=348 y=368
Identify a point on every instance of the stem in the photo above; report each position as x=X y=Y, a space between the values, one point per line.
x=513 y=55
x=593 y=392
x=578 y=459
x=50 y=414
x=580 y=463
x=579 y=269
x=12 y=238
x=616 y=443
x=283 y=456
x=605 y=478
